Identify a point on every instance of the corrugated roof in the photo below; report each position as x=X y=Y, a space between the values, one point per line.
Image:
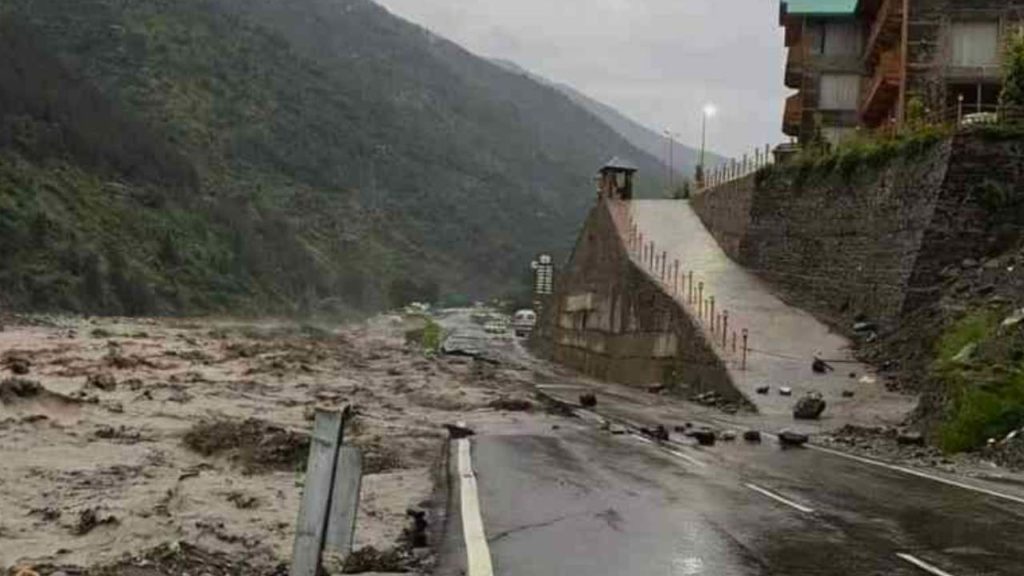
x=823 y=7
x=617 y=163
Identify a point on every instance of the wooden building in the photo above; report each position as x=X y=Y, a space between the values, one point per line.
x=945 y=55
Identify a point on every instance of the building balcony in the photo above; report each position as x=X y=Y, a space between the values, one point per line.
x=792 y=118
x=886 y=17
x=795 y=67
x=881 y=91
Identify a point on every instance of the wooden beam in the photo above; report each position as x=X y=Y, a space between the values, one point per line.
x=316 y=493
x=341 y=520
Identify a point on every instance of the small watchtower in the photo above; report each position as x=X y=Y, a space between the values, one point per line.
x=615 y=180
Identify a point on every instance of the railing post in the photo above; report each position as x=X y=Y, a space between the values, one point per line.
x=712 y=313
x=675 y=277
x=746 y=334
x=700 y=301
x=725 y=326
x=664 y=265
x=733 y=341
x=689 y=285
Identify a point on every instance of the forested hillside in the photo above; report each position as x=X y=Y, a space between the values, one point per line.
x=273 y=156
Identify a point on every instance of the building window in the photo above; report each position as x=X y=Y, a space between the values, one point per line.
x=839 y=92
x=975 y=44
x=842 y=39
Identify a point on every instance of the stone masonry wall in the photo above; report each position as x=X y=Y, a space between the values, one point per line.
x=873 y=239
x=610 y=320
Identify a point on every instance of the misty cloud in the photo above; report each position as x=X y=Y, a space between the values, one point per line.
x=658 y=61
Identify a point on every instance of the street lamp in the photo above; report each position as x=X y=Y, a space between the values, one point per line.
x=671 y=136
x=709 y=112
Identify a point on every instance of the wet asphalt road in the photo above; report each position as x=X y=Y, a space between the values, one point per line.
x=579 y=500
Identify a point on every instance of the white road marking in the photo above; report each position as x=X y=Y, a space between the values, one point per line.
x=778 y=498
x=919 y=474
x=923 y=565
x=478 y=554
x=689 y=459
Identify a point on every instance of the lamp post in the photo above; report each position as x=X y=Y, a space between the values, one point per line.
x=708 y=112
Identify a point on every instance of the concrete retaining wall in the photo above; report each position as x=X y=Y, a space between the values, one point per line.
x=610 y=320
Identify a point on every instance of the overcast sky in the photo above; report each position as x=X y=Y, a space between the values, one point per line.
x=658 y=61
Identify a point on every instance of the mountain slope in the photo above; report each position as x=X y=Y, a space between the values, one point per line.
x=685 y=158
x=271 y=155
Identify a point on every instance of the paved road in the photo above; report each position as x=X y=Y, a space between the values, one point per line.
x=579 y=500
x=785 y=339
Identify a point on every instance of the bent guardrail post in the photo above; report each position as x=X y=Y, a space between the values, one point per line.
x=330 y=494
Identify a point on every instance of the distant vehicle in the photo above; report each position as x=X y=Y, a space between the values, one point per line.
x=494 y=327
x=523 y=322
x=980 y=118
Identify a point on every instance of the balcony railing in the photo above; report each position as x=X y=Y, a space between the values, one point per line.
x=885 y=28
x=881 y=90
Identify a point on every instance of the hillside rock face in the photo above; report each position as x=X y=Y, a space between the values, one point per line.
x=204 y=155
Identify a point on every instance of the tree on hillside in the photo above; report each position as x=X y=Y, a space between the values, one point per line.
x=1011 y=99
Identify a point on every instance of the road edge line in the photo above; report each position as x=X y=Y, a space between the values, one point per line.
x=778 y=498
x=918 y=473
x=478 y=553
x=922 y=564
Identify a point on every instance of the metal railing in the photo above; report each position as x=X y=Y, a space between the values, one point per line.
x=686 y=288
x=737 y=168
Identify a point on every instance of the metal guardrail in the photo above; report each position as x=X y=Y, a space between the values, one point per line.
x=330 y=495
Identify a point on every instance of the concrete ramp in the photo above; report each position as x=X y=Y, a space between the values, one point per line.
x=782 y=340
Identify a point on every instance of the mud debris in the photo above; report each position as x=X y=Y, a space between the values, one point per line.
x=256 y=445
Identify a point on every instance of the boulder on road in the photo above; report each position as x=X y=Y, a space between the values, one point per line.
x=752 y=436
x=588 y=400
x=763 y=389
x=790 y=438
x=785 y=391
x=809 y=407
x=909 y=438
x=728 y=436
x=704 y=436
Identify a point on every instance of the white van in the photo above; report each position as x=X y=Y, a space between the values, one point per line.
x=523 y=322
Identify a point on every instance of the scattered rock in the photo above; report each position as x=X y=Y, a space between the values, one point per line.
x=853 y=375
x=863 y=327
x=848 y=393
x=659 y=433
x=752 y=436
x=785 y=391
x=728 y=435
x=790 y=438
x=617 y=429
x=910 y=438
x=1013 y=319
x=819 y=366
x=588 y=400
x=511 y=405
x=103 y=381
x=660 y=389
x=763 y=389
x=416 y=535
x=969 y=263
x=810 y=407
x=704 y=436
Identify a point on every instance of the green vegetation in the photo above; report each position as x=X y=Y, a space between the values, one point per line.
x=305 y=157
x=433 y=336
x=1012 y=95
x=847 y=160
x=981 y=367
